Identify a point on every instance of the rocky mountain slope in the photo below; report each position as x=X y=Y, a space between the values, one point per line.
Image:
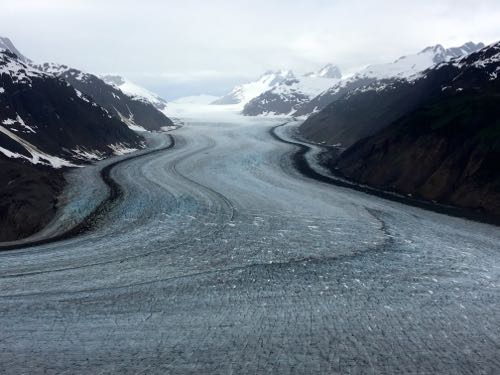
x=446 y=148
x=139 y=108
x=45 y=120
x=28 y=197
x=46 y=125
x=137 y=112
x=372 y=99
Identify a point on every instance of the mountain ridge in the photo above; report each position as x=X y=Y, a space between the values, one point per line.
x=46 y=126
x=405 y=67
x=136 y=92
x=444 y=149
x=362 y=105
x=138 y=113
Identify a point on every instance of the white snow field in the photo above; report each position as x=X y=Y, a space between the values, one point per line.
x=219 y=257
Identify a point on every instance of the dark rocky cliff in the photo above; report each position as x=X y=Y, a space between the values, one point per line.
x=447 y=151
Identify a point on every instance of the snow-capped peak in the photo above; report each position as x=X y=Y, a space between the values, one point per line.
x=487 y=58
x=441 y=54
x=7 y=45
x=135 y=91
x=242 y=94
x=284 y=97
x=273 y=78
x=328 y=71
x=464 y=50
x=408 y=67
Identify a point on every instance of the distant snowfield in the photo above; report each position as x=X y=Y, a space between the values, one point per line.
x=199 y=108
x=195 y=99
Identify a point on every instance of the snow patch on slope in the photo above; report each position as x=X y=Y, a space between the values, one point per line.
x=82 y=96
x=121 y=149
x=37 y=156
x=487 y=56
x=53 y=68
x=19 y=121
x=20 y=72
x=129 y=121
x=87 y=155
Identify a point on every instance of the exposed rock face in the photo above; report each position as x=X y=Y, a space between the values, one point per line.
x=451 y=160
x=27 y=197
x=364 y=111
x=447 y=149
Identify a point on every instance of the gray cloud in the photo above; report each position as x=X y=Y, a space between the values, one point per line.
x=189 y=46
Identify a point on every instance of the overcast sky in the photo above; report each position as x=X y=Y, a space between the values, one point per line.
x=194 y=46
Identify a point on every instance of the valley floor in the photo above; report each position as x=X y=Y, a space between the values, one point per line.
x=219 y=257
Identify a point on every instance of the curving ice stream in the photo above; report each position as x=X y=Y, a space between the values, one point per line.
x=221 y=258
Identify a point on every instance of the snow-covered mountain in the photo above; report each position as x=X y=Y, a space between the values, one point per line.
x=44 y=120
x=242 y=94
x=137 y=112
x=132 y=104
x=286 y=96
x=47 y=124
x=406 y=67
x=362 y=111
x=409 y=67
x=310 y=93
x=328 y=71
x=135 y=91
